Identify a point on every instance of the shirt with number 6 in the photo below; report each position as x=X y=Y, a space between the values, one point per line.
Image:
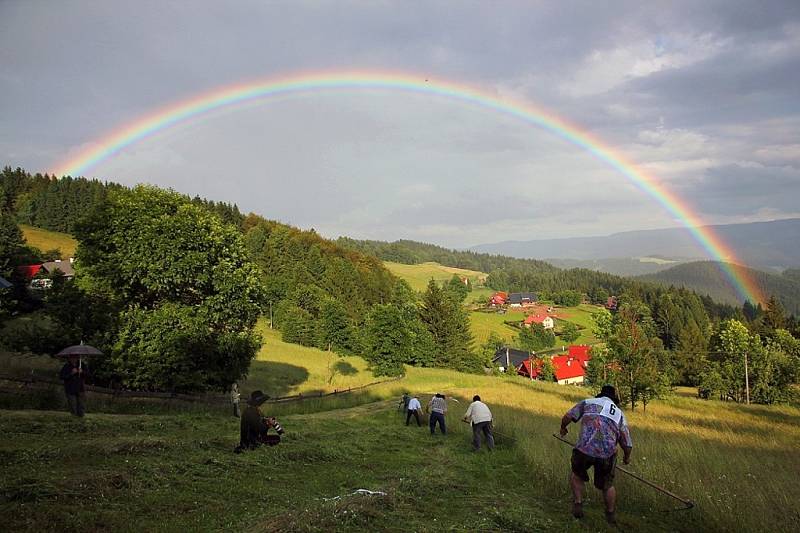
x=603 y=425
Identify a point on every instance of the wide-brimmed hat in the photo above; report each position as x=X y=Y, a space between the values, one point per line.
x=257 y=398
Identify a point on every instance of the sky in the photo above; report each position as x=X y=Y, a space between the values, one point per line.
x=705 y=96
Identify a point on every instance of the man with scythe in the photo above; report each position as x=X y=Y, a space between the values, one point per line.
x=603 y=426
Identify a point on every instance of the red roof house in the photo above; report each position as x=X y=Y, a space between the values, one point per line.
x=569 y=369
x=29 y=271
x=579 y=351
x=544 y=320
x=499 y=298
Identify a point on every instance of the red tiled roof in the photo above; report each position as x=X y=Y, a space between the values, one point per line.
x=580 y=351
x=538 y=319
x=525 y=368
x=568 y=367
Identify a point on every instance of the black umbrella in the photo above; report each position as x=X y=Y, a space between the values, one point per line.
x=79 y=350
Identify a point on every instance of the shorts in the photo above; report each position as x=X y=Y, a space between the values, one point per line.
x=603 y=468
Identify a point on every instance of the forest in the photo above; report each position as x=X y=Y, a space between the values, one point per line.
x=171 y=287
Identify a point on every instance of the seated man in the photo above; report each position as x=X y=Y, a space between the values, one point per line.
x=254 y=425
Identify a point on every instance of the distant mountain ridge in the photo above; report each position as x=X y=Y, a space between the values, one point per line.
x=772 y=245
x=705 y=277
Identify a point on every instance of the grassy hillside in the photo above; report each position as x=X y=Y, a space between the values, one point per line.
x=419 y=275
x=705 y=278
x=47 y=240
x=176 y=471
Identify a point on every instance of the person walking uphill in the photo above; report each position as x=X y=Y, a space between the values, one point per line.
x=414 y=408
x=254 y=425
x=603 y=426
x=438 y=408
x=479 y=415
x=74 y=374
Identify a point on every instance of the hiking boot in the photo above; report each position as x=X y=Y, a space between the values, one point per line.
x=577 y=509
x=611 y=518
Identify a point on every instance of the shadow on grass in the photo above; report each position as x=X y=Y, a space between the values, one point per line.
x=344 y=368
x=275 y=379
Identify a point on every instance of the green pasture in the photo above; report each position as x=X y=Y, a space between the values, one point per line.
x=419 y=275
x=48 y=240
x=173 y=469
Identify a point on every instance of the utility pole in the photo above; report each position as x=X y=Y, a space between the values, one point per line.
x=746 y=380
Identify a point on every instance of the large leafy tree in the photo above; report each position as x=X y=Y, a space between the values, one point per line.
x=187 y=296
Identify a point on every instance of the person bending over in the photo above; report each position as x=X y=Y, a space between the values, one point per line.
x=254 y=425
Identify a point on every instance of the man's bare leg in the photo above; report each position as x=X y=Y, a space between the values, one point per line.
x=610 y=497
x=577 y=495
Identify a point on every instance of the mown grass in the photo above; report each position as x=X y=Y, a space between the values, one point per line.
x=48 y=240
x=419 y=275
x=484 y=324
x=174 y=470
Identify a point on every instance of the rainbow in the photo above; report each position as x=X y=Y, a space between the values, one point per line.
x=348 y=81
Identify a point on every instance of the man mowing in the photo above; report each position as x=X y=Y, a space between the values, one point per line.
x=603 y=425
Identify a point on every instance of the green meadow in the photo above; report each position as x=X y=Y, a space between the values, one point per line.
x=171 y=467
x=48 y=240
x=419 y=275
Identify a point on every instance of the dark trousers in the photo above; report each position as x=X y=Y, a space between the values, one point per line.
x=437 y=417
x=486 y=429
x=415 y=413
x=76 y=403
x=236 y=411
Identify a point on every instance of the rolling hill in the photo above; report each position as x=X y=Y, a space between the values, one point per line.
x=761 y=244
x=705 y=277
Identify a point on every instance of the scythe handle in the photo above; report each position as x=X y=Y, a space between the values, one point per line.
x=688 y=503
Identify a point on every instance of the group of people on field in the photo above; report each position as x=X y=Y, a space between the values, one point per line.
x=603 y=428
x=478 y=416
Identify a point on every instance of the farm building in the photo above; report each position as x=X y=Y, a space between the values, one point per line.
x=499 y=298
x=521 y=299
x=506 y=358
x=569 y=369
x=65 y=267
x=544 y=320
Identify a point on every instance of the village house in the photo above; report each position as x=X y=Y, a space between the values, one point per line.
x=546 y=321
x=36 y=275
x=498 y=299
x=507 y=358
x=521 y=299
x=569 y=369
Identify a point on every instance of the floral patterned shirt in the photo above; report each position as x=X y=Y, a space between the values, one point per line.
x=603 y=425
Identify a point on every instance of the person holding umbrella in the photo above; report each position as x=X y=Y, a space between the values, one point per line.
x=74 y=374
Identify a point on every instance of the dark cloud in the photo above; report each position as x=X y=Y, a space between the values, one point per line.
x=734 y=189
x=648 y=78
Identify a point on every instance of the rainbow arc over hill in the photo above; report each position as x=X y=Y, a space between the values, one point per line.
x=316 y=82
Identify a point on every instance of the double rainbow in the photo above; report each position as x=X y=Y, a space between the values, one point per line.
x=348 y=81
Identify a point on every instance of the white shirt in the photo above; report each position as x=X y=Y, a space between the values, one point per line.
x=478 y=412
x=414 y=405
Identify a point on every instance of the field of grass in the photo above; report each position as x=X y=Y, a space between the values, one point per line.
x=176 y=470
x=48 y=240
x=582 y=316
x=419 y=275
x=483 y=324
